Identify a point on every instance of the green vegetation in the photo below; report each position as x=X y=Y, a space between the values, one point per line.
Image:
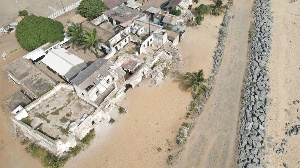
x=195 y=82
x=188 y=125
x=23 y=13
x=63 y=130
x=42 y=116
x=203 y=9
x=89 y=137
x=170 y=159
x=84 y=40
x=111 y=121
x=56 y=112
x=48 y=159
x=70 y=94
x=188 y=114
x=52 y=161
x=34 y=31
x=167 y=27
x=199 y=19
x=90 y=41
x=122 y=110
x=91 y=9
x=64 y=119
x=27 y=121
x=217 y=8
x=159 y=149
x=175 y=11
x=12 y=51
x=165 y=71
x=76 y=31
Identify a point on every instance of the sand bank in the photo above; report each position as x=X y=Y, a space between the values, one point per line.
x=284 y=73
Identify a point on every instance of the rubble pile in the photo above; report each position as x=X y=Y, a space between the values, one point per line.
x=256 y=101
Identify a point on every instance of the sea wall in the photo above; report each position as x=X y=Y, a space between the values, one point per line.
x=255 y=101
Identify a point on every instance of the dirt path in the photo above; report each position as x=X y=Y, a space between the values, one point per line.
x=213 y=140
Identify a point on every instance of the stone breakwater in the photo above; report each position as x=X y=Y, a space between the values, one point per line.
x=255 y=104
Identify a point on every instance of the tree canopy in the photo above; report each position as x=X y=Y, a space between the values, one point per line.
x=175 y=11
x=203 y=9
x=76 y=31
x=91 y=9
x=34 y=31
x=195 y=82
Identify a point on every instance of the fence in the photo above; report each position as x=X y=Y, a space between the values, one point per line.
x=4 y=30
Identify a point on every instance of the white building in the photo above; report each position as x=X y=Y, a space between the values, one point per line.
x=66 y=64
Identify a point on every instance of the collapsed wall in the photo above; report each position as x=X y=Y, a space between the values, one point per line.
x=255 y=105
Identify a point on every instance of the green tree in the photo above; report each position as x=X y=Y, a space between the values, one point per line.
x=91 y=9
x=175 y=11
x=23 y=13
x=90 y=41
x=195 y=82
x=203 y=9
x=76 y=31
x=199 y=19
x=34 y=31
x=217 y=8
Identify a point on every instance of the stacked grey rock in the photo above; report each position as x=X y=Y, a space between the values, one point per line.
x=256 y=101
x=221 y=42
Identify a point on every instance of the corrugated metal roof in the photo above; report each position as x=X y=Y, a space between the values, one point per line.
x=61 y=60
x=86 y=73
x=35 y=54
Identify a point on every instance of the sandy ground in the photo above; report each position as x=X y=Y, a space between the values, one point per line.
x=12 y=153
x=9 y=9
x=155 y=114
x=213 y=142
x=284 y=71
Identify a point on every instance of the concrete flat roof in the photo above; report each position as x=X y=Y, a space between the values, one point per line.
x=28 y=75
x=54 y=115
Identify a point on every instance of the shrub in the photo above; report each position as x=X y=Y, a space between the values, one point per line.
x=23 y=13
x=167 y=27
x=34 y=31
x=111 y=121
x=203 y=9
x=175 y=11
x=27 y=121
x=199 y=19
x=91 y=9
x=89 y=137
x=122 y=110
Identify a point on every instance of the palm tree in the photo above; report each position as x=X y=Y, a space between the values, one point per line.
x=195 y=82
x=90 y=41
x=217 y=8
x=76 y=31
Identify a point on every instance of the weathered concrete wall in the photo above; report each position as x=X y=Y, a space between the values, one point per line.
x=37 y=137
x=256 y=101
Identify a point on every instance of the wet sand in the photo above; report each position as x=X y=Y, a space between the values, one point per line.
x=284 y=69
